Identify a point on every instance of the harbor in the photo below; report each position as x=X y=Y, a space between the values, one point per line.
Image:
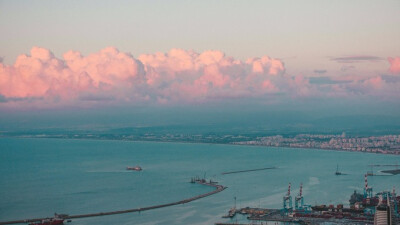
x=363 y=209
x=102 y=183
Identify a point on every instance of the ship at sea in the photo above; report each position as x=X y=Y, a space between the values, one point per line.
x=52 y=221
x=56 y=220
x=136 y=168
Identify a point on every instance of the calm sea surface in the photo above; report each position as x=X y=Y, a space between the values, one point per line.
x=41 y=176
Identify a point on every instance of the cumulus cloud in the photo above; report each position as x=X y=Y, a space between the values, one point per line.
x=394 y=65
x=108 y=75
x=383 y=87
x=178 y=76
x=374 y=82
x=41 y=74
x=188 y=75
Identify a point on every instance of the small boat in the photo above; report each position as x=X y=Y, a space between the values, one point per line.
x=337 y=171
x=136 y=168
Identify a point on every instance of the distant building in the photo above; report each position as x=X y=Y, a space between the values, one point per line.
x=384 y=214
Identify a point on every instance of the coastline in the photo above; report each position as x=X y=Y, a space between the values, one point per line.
x=194 y=142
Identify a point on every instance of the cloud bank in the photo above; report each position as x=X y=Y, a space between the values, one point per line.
x=179 y=76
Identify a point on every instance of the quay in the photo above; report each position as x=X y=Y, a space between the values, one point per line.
x=218 y=188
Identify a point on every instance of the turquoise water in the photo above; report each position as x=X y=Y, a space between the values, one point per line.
x=41 y=176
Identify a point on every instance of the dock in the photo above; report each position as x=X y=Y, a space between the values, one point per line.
x=218 y=188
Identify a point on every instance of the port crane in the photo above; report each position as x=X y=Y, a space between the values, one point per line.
x=287 y=201
x=367 y=189
x=299 y=199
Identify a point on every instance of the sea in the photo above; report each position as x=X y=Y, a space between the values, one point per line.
x=40 y=177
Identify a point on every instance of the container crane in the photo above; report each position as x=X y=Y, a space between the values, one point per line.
x=287 y=201
x=299 y=200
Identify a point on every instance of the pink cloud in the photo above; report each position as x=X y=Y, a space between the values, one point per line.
x=383 y=87
x=109 y=66
x=42 y=75
x=190 y=76
x=111 y=76
x=179 y=75
x=266 y=64
x=31 y=76
x=374 y=82
x=394 y=65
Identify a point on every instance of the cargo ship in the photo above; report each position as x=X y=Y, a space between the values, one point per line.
x=56 y=220
x=51 y=221
x=332 y=208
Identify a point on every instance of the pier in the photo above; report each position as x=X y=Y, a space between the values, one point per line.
x=218 y=188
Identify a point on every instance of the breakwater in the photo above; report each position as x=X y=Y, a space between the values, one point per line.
x=218 y=188
x=244 y=171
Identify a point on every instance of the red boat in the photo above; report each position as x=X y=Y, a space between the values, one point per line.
x=52 y=221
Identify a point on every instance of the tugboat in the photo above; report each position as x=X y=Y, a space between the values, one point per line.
x=136 y=168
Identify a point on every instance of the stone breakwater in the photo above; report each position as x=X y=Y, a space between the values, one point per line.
x=218 y=188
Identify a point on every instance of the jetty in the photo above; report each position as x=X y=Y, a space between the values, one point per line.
x=218 y=188
x=244 y=171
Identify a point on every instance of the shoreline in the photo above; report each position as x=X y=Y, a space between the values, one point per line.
x=193 y=142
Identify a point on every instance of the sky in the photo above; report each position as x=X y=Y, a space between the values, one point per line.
x=72 y=55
